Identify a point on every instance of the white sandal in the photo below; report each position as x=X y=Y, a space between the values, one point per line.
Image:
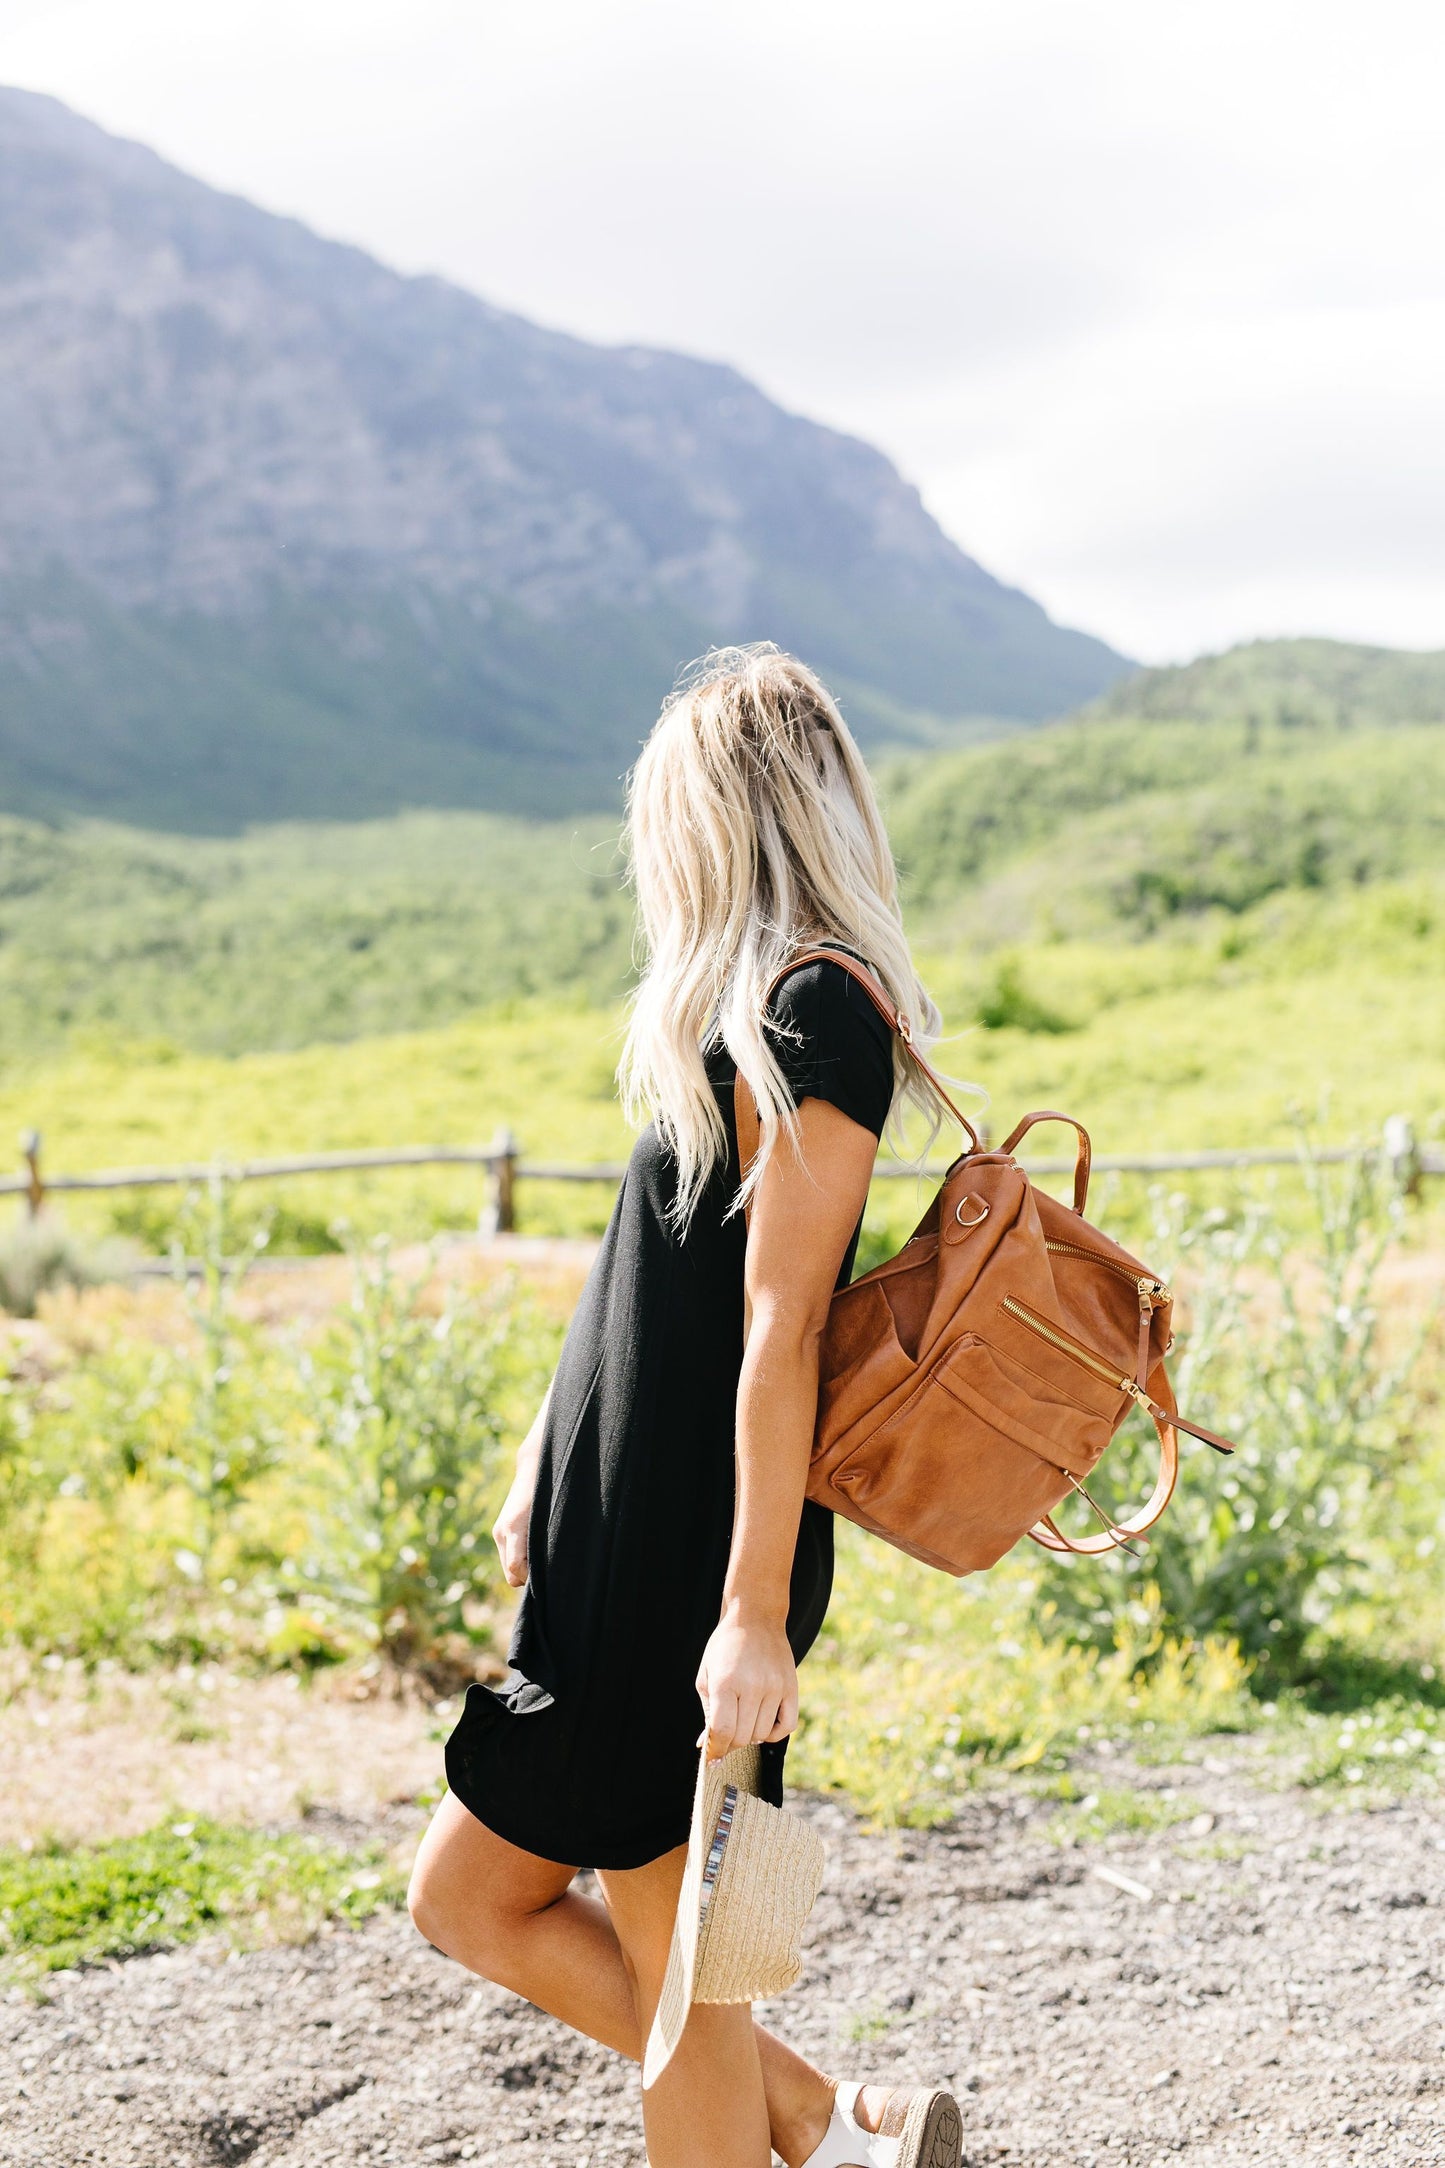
x=919 y=2128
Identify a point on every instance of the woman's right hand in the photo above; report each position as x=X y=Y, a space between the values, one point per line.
x=747 y=1683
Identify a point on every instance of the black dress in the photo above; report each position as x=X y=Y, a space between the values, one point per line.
x=588 y=1753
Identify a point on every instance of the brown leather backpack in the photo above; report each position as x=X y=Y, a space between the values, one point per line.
x=972 y=1382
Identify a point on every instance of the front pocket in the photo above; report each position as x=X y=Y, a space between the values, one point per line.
x=977 y=1453
x=1086 y=1363
x=1025 y=1405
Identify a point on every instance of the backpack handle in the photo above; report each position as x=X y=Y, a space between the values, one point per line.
x=1082 y=1163
x=1117 y=1534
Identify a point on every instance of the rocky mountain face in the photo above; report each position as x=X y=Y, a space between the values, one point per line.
x=283 y=532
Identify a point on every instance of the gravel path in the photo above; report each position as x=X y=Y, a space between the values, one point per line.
x=1279 y=1997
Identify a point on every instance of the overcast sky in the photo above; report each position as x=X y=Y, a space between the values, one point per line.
x=1147 y=296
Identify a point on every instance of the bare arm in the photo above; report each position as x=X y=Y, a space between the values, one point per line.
x=804 y=1213
x=509 y=1530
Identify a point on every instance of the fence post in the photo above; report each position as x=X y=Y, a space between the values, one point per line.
x=35 y=1193
x=1402 y=1150
x=500 y=1216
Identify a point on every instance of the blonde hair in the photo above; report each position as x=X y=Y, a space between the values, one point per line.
x=753 y=832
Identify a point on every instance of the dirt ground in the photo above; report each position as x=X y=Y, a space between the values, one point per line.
x=110 y=1754
x=1278 y=1995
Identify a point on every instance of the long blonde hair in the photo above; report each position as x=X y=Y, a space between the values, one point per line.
x=753 y=832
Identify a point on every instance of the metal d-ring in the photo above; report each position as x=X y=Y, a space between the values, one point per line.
x=978 y=1221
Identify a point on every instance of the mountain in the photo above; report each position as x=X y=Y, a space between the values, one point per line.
x=285 y=534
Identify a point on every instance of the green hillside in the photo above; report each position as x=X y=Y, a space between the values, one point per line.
x=1103 y=830
x=188 y=723
x=1280 y=764
x=1296 y=683
x=298 y=933
x=314 y=707
x=1100 y=825
x=1168 y=1044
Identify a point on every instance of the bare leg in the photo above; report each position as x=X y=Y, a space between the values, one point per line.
x=517 y=1920
x=708 y=2109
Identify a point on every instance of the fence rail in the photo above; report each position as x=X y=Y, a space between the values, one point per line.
x=506 y=1169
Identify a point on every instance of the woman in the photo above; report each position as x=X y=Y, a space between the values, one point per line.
x=657 y=1518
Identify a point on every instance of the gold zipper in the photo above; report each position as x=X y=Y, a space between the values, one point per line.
x=1068 y=1346
x=1153 y=1294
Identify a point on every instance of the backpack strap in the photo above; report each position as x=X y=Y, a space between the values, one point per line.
x=745 y=1110
x=1118 y=1534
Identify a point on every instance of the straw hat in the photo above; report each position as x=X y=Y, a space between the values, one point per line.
x=750 y=1881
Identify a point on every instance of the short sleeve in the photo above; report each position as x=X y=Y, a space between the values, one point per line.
x=834 y=1045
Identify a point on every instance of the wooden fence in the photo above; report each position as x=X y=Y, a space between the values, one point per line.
x=506 y=1170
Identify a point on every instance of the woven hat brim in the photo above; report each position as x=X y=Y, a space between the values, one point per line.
x=767 y=1882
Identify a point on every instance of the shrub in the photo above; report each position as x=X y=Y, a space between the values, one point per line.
x=41 y=1253
x=218 y=1486
x=159 y=1222
x=1007 y=1004
x=143 y=1505
x=1284 y=1356
x=229 y=1437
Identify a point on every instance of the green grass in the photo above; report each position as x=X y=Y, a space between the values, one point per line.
x=65 y=1906
x=546 y=1072
x=1119 y=1811
x=922 y=1687
x=866 y=2026
x=1395 y=1745
x=1211 y=1040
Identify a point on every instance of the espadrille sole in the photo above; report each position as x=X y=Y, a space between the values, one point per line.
x=932 y=2134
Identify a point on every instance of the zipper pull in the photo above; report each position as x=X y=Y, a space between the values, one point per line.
x=1152 y=1293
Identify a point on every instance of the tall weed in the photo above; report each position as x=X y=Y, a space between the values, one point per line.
x=408 y=1425
x=230 y=1437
